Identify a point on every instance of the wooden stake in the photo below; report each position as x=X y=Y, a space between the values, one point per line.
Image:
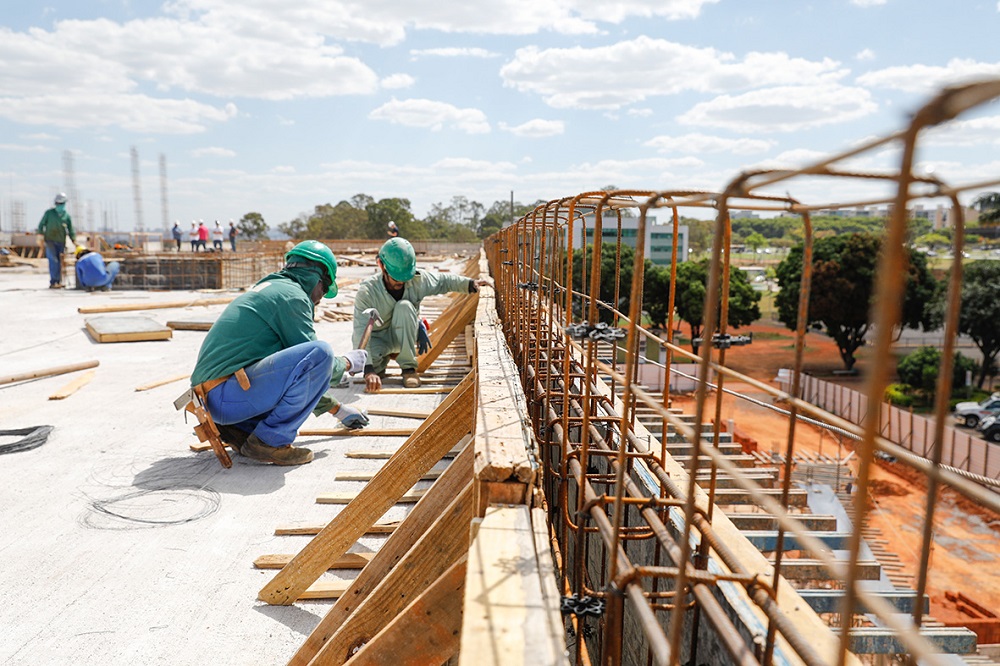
x=72 y=387
x=128 y=307
x=356 y=432
x=162 y=382
x=426 y=632
x=400 y=562
x=325 y=589
x=345 y=561
x=347 y=498
x=451 y=421
x=58 y=370
x=310 y=530
x=414 y=391
x=385 y=455
x=447 y=334
x=399 y=413
x=368 y=476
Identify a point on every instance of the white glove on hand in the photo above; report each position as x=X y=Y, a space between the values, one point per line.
x=351 y=418
x=357 y=358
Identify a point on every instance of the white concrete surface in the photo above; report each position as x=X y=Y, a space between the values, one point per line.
x=170 y=578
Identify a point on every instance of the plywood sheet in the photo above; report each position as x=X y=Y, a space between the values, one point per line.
x=200 y=324
x=127 y=329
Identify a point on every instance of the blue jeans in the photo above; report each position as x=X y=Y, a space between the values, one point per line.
x=284 y=389
x=54 y=252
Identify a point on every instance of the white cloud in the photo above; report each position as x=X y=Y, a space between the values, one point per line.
x=864 y=54
x=634 y=70
x=640 y=113
x=213 y=151
x=283 y=169
x=397 y=81
x=868 y=3
x=926 y=78
x=454 y=52
x=972 y=132
x=431 y=114
x=40 y=136
x=783 y=109
x=18 y=148
x=702 y=143
x=536 y=128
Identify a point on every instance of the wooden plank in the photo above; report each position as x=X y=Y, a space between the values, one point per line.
x=399 y=413
x=163 y=382
x=306 y=529
x=368 y=476
x=401 y=544
x=49 y=372
x=129 y=307
x=414 y=391
x=508 y=620
x=325 y=589
x=426 y=632
x=503 y=442
x=191 y=324
x=454 y=327
x=445 y=542
x=451 y=421
x=347 y=498
x=356 y=432
x=345 y=561
x=73 y=386
x=371 y=454
x=126 y=329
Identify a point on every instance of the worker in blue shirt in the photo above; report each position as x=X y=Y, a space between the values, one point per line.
x=91 y=273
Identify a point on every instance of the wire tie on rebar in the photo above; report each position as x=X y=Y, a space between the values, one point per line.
x=581 y=606
x=508 y=263
x=528 y=286
x=725 y=341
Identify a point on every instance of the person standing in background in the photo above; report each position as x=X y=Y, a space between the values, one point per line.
x=193 y=237
x=217 y=237
x=232 y=235
x=202 y=236
x=53 y=229
x=177 y=234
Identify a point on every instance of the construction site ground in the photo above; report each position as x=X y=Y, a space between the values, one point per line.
x=119 y=544
x=966 y=553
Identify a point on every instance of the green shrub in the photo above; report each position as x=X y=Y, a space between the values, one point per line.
x=899 y=395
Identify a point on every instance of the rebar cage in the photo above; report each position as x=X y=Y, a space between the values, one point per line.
x=651 y=569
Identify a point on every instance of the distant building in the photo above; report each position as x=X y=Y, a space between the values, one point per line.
x=659 y=237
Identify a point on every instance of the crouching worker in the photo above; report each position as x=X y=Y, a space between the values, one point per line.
x=395 y=292
x=262 y=368
x=91 y=273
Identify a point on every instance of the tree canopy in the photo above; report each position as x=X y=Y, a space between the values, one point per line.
x=253 y=227
x=842 y=289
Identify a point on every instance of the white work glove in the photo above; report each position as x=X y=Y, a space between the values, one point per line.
x=357 y=358
x=351 y=418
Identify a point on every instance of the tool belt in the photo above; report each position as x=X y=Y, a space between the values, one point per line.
x=194 y=400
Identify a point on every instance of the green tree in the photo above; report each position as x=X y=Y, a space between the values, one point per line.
x=610 y=273
x=294 y=229
x=843 y=286
x=253 y=227
x=988 y=204
x=385 y=210
x=920 y=370
x=755 y=241
x=980 y=311
x=689 y=299
x=341 y=221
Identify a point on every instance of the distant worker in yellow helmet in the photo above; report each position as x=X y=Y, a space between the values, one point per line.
x=395 y=292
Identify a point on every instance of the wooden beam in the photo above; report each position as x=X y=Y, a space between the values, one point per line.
x=445 y=337
x=347 y=498
x=345 y=561
x=368 y=476
x=371 y=454
x=356 y=432
x=163 y=382
x=128 y=307
x=399 y=413
x=310 y=529
x=446 y=542
x=414 y=391
x=49 y=372
x=426 y=513
x=325 y=589
x=426 y=632
x=73 y=386
x=451 y=421
x=511 y=612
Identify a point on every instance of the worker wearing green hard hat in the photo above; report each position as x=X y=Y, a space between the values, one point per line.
x=263 y=371
x=394 y=293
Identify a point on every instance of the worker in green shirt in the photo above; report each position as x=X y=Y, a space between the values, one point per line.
x=53 y=229
x=262 y=368
x=395 y=292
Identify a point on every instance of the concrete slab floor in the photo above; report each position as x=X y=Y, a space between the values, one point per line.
x=120 y=545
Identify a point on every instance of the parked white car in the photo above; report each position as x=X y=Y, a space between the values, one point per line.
x=970 y=413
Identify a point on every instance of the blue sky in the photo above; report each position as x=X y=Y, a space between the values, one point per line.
x=275 y=107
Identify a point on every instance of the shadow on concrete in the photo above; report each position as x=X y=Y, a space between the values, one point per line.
x=295 y=618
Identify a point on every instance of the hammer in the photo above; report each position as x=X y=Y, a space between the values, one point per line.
x=373 y=319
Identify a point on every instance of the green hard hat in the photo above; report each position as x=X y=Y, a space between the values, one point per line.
x=318 y=252
x=399 y=259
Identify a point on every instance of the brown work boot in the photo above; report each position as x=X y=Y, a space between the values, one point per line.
x=411 y=379
x=281 y=455
x=233 y=436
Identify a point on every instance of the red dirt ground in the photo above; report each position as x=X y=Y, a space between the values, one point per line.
x=966 y=552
